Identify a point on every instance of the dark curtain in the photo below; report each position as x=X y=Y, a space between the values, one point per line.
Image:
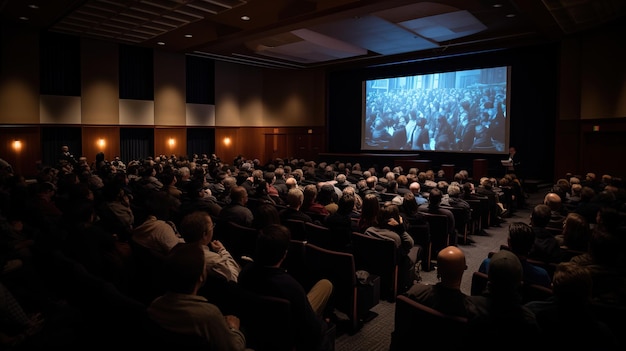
x=136 y=144
x=52 y=138
x=59 y=62
x=200 y=141
x=136 y=73
x=200 y=74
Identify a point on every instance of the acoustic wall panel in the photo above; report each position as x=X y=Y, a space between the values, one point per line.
x=137 y=112
x=200 y=115
x=19 y=74
x=169 y=89
x=60 y=109
x=100 y=82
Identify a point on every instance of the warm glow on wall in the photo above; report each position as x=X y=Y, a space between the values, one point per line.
x=101 y=143
x=171 y=142
x=227 y=141
x=17 y=145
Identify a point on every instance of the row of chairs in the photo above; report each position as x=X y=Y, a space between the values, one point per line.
x=308 y=263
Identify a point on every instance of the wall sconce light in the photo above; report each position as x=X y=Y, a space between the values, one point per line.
x=227 y=141
x=171 y=142
x=17 y=145
x=101 y=143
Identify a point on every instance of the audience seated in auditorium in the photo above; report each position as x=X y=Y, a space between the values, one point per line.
x=557 y=211
x=520 y=241
x=415 y=188
x=390 y=226
x=265 y=277
x=566 y=320
x=546 y=247
x=496 y=208
x=237 y=211
x=181 y=310
x=327 y=196
x=157 y=232
x=499 y=310
x=576 y=233
x=340 y=222
x=197 y=227
x=295 y=198
x=445 y=296
x=434 y=206
x=310 y=205
x=369 y=212
x=605 y=260
x=264 y=215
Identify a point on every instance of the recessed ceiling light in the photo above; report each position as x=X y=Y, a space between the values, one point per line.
x=245 y=18
x=188 y=35
x=496 y=5
x=24 y=18
x=33 y=6
x=511 y=15
x=160 y=43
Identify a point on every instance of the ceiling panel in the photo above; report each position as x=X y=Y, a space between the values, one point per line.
x=314 y=33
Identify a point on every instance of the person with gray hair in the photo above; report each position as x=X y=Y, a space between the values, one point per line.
x=453 y=199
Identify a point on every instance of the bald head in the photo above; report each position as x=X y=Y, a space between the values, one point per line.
x=450 y=266
x=553 y=200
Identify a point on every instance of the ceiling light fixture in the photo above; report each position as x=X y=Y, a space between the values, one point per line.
x=22 y=18
x=160 y=43
x=33 y=6
x=188 y=36
x=245 y=18
x=510 y=15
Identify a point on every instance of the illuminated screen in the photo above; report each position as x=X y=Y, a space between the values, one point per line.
x=461 y=111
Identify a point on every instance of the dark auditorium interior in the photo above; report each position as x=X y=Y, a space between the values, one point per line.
x=261 y=84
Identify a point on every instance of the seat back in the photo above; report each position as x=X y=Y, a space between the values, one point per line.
x=339 y=268
x=147 y=265
x=377 y=256
x=294 y=263
x=297 y=229
x=267 y=322
x=239 y=240
x=438 y=225
x=476 y=219
x=158 y=337
x=412 y=317
x=485 y=212
x=535 y=292
x=479 y=283
x=461 y=222
x=321 y=236
x=420 y=232
x=528 y=292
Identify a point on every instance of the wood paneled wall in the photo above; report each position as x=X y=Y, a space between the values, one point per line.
x=104 y=139
x=169 y=141
x=25 y=157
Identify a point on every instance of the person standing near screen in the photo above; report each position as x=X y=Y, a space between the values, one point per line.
x=514 y=166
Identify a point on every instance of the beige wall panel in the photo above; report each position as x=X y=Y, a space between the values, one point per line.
x=251 y=97
x=100 y=82
x=169 y=89
x=60 y=109
x=200 y=115
x=136 y=112
x=227 y=111
x=19 y=85
x=294 y=98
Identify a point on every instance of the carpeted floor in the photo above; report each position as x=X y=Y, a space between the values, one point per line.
x=375 y=335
